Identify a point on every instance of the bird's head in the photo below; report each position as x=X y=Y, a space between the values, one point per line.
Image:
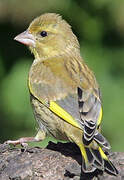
x=49 y=35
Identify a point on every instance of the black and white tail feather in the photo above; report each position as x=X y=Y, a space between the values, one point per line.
x=94 y=142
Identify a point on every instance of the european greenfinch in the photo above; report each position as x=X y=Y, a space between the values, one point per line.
x=64 y=93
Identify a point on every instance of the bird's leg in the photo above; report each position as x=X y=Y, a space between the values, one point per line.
x=24 y=140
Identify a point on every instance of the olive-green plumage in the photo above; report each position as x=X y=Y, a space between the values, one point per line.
x=64 y=92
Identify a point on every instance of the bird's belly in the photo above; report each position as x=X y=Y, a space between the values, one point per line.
x=48 y=121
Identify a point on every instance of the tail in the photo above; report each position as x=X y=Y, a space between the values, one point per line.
x=93 y=157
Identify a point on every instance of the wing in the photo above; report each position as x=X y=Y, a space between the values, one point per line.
x=53 y=85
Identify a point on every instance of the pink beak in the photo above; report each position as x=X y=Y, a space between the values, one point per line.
x=26 y=38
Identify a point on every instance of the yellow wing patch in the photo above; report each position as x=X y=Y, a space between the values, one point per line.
x=103 y=154
x=100 y=117
x=63 y=114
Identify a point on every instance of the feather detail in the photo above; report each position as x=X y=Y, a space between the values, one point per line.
x=89 y=108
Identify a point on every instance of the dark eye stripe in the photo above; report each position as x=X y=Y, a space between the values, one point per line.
x=43 y=33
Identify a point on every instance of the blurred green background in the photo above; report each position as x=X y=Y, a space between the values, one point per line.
x=99 y=26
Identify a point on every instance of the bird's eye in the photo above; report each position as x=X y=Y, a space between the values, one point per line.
x=43 y=33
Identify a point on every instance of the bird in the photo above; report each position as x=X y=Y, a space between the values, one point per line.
x=64 y=93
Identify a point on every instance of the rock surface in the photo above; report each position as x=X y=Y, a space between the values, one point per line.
x=56 y=162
